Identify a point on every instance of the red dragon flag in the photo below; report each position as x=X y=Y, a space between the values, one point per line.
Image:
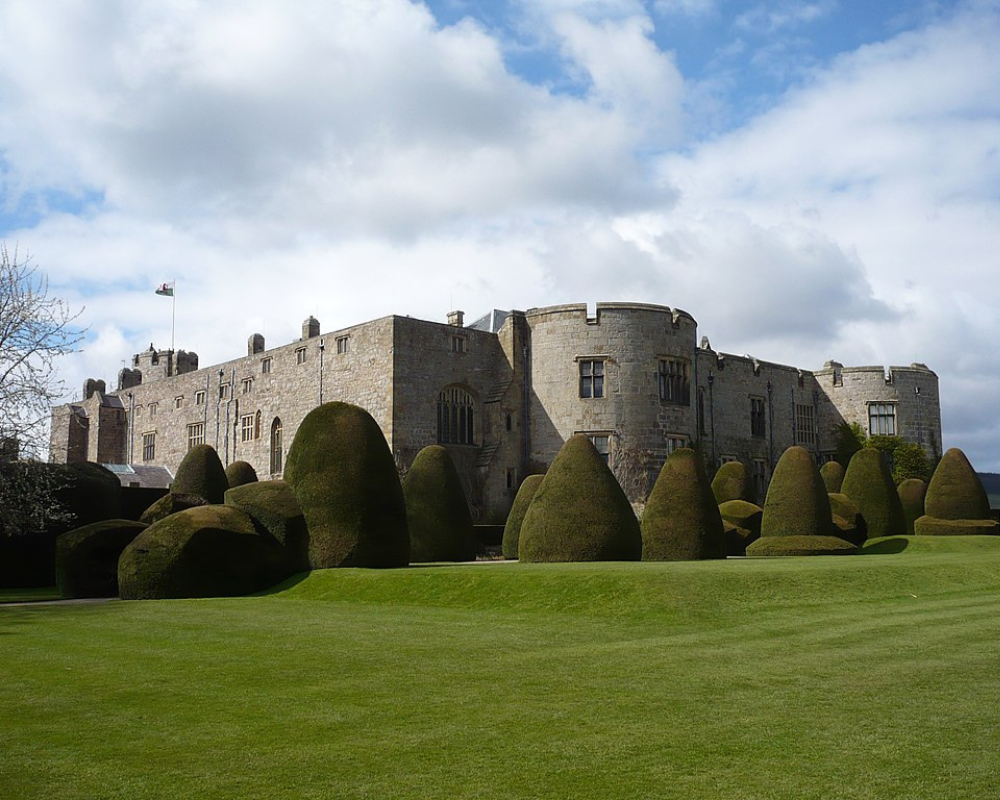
x=166 y=289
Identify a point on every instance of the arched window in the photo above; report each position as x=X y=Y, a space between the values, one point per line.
x=455 y=416
x=256 y=425
x=276 y=463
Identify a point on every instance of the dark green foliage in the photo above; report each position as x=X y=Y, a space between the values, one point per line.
x=171 y=503
x=849 y=437
x=276 y=513
x=207 y=551
x=955 y=491
x=345 y=480
x=437 y=512
x=797 y=503
x=742 y=523
x=579 y=513
x=201 y=473
x=512 y=530
x=832 y=474
x=907 y=460
x=732 y=483
x=848 y=518
x=934 y=526
x=801 y=546
x=136 y=499
x=87 y=558
x=869 y=484
x=682 y=521
x=239 y=473
x=911 y=495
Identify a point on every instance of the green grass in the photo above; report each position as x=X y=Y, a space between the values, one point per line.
x=29 y=595
x=835 y=677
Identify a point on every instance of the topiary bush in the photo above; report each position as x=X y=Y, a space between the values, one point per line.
x=276 y=513
x=682 y=521
x=732 y=483
x=848 y=518
x=868 y=483
x=911 y=496
x=344 y=478
x=437 y=512
x=207 y=551
x=801 y=546
x=171 y=503
x=742 y=523
x=239 y=473
x=87 y=558
x=956 y=504
x=201 y=473
x=512 y=529
x=832 y=474
x=579 y=512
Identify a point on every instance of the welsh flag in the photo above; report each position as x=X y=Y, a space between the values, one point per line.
x=166 y=289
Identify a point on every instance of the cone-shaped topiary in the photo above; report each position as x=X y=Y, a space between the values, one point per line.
x=832 y=474
x=273 y=508
x=797 y=519
x=742 y=522
x=239 y=473
x=732 y=483
x=911 y=495
x=207 y=551
x=682 y=521
x=87 y=558
x=201 y=473
x=579 y=512
x=868 y=482
x=512 y=529
x=437 y=512
x=344 y=478
x=848 y=517
x=171 y=503
x=956 y=504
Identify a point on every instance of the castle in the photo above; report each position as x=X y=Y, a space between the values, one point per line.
x=502 y=394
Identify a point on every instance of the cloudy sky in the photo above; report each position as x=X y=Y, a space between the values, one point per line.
x=810 y=179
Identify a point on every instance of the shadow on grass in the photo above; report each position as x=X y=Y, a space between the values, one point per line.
x=886 y=546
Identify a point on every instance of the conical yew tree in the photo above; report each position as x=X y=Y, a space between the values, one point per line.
x=437 y=512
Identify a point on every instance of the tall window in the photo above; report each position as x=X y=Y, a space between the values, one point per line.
x=256 y=425
x=805 y=424
x=300 y=355
x=675 y=382
x=882 y=419
x=591 y=378
x=196 y=434
x=199 y=398
x=265 y=366
x=149 y=446
x=458 y=344
x=702 y=422
x=247 y=385
x=246 y=428
x=276 y=446
x=759 y=470
x=455 y=418
x=758 y=427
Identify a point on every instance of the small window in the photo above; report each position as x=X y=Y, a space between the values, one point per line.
x=727 y=459
x=509 y=423
x=223 y=391
x=246 y=427
x=591 y=378
x=458 y=344
x=882 y=419
x=179 y=402
x=674 y=380
x=265 y=366
x=149 y=446
x=152 y=409
x=199 y=398
x=343 y=344
x=759 y=470
x=758 y=426
x=805 y=424
x=196 y=434
x=300 y=355
x=602 y=442
x=675 y=443
x=247 y=385
x=512 y=479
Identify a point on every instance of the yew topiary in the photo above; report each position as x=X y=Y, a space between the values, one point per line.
x=344 y=478
x=911 y=495
x=956 y=504
x=207 y=551
x=731 y=482
x=87 y=558
x=832 y=474
x=741 y=520
x=201 y=473
x=239 y=473
x=848 y=518
x=171 y=503
x=512 y=529
x=276 y=513
x=579 y=512
x=801 y=546
x=682 y=521
x=437 y=512
x=868 y=482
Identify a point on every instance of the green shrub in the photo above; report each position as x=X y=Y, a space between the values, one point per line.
x=933 y=526
x=868 y=483
x=512 y=529
x=275 y=511
x=732 y=483
x=849 y=437
x=437 y=512
x=579 y=512
x=171 y=503
x=832 y=474
x=344 y=478
x=955 y=491
x=797 y=503
x=797 y=545
x=207 y=551
x=201 y=473
x=911 y=495
x=742 y=522
x=848 y=518
x=239 y=473
x=682 y=521
x=87 y=558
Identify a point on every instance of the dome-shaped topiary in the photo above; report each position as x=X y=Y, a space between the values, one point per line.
x=579 y=512
x=512 y=528
x=681 y=521
x=273 y=508
x=239 y=473
x=731 y=482
x=868 y=482
x=344 y=478
x=87 y=558
x=956 y=504
x=171 y=503
x=848 y=517
x=911 y=495
x=207 y=551
x=437 y=512
x=742 y=523
x=201 y=473
x=832 y=474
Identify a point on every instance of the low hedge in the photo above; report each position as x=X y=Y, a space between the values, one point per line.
x=912 y=492
x=171 y=503
x=87 y=558
x=741 y=520
x=933 y=526
x=276 y=513
x=807 y=545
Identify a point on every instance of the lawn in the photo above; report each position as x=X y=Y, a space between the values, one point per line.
x=873 y=676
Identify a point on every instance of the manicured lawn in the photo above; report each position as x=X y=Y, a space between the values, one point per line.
x=29 y=595
x=873 y=676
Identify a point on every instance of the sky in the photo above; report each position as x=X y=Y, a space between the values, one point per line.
x=810 y=179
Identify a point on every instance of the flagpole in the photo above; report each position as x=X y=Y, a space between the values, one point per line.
x=173 y=314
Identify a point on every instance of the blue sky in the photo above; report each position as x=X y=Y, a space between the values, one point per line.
x=810 y=179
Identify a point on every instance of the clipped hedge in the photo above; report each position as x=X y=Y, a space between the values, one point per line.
x=955 y=491
x=579 y=512
x=731 y=482
x=239 y=473
x=797 y=545
x=868 y=482
x=344 y=478
x=87 y=558
x=911 y=495
x=276 y=513
x=512 y=528
x=171 y=503
x=741 y=520
x=832 y=474
x=437 y=512
x=848 y=518
x=207 y=551
x=681 y=521
x=797 y=503
x=932 y=526
x=201 y=473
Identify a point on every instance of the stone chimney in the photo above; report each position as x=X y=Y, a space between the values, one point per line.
x=255 y=344
x=310 y=327
x=456 y=318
